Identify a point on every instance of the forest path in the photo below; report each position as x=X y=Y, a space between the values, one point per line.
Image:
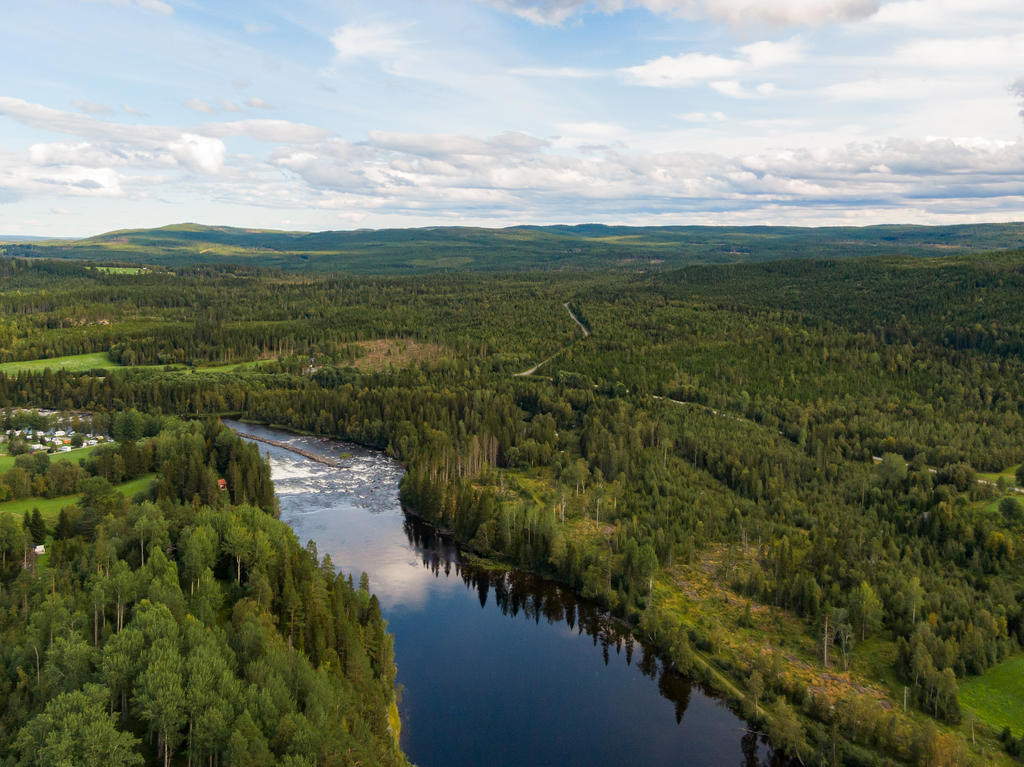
x=576 y=320
x=531 y=371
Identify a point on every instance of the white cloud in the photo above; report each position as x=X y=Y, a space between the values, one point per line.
x=228 y=106
x=257 y=103
x=92 y=107
x=147 y=5
x=1017 y=89
x=47 y=119
x=737 y=90
x=198 y=105
x=960 y=54
x=354 y=41
x=524 y=178
x=104 y=144
x=767 y=53
x=740 y=13
x=954 y=16
x=678 y=71
x=702 y=117
x=199 y=153
x=279 y=131
x=692 y=68
x=566 y=72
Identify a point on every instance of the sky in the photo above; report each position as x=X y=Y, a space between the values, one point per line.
x=344 y=114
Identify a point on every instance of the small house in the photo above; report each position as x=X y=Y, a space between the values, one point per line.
x=222 y=484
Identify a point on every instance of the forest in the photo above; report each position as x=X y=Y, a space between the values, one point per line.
x=185 y=624
x=800 y=479
x=454 y=248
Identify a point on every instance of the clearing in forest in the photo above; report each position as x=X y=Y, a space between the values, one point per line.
x=382 y=353
x=50 y=508
x=997 y=696
x=74 y=362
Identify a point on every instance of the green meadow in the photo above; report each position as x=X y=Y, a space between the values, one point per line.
x=50 y=508
x=997 y=696
x=7 y=461
x=74 y=362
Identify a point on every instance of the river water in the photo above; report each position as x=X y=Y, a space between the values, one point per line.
x=496 y=668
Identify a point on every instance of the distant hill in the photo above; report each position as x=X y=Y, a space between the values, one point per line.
x=22 y=238
x=585 y=246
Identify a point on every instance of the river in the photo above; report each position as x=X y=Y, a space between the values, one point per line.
x=496 y=668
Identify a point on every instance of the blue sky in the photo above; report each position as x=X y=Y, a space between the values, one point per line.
x=345 y=114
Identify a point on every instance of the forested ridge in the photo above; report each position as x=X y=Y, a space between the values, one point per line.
x=579 y=247
x=772 y=470
x=187 y=624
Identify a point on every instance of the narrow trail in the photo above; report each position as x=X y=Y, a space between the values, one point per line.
x=531 y=371
x=324 y=459
x=576 y=320
x=711 y=410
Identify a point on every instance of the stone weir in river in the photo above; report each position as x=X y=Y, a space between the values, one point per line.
x=318 y=457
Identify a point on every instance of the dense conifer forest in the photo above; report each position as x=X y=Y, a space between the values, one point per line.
x=186 y=624
x=798 y=478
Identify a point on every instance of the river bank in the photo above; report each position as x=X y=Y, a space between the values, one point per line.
x=477 y=678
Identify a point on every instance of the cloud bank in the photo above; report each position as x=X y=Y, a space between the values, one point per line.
x=738 y=13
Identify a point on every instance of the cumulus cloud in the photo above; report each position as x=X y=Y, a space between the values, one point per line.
x=257 y=103
x=685 y=69
x=734 y=12
x=691 y=68
x=590 y=170
x=525 y=178
x=102 y=145
x=200 y=153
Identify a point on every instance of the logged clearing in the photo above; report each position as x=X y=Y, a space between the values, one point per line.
x=383 y=353
x=698 y=594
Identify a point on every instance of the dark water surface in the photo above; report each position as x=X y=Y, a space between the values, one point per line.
x=496 y=668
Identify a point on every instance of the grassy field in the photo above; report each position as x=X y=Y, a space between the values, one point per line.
x=1010 y=475
x=7 y=461
x=97 y=360
x=231 y=367
x=997 y=696
x=50 y=507
x=73 y=363
x=122 y=269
